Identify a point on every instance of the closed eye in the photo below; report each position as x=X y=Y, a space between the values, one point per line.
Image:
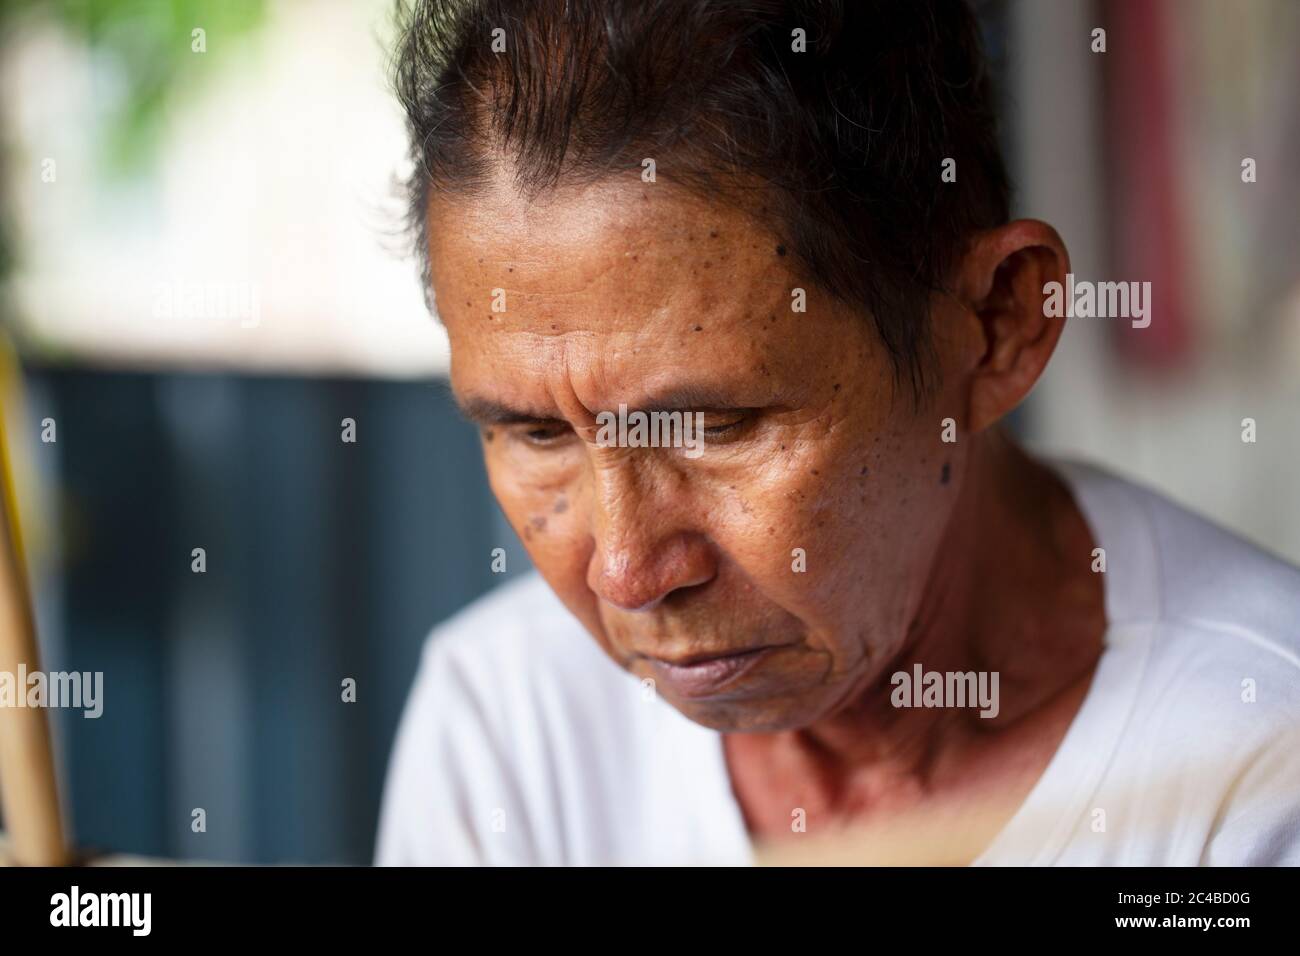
x=728 y=424
x=543 y=433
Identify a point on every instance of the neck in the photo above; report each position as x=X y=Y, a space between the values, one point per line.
x=1012 y=594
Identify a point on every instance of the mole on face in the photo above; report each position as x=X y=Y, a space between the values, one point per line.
x=488 y=435
x=780 y=250
x=538 y=522
x=561 y=505
x=945 y=474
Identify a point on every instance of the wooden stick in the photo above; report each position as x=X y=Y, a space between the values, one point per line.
x=28 y=790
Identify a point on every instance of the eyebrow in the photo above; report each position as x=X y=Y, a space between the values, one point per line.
x=686 y=398
x=485 y=411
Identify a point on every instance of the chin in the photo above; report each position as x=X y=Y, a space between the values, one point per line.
x=741 y=716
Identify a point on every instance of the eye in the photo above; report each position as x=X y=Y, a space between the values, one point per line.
x=726 y=424
x=543 y=434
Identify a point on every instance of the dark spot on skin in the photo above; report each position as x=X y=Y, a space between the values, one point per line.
x=815 y=471
x=510 y=269
x=528 y=533
x=780 y=250
x=713 y=233
x=554 y=327
x=945 y=474
x=539 y=522
x=771 y=531
x=488 y=435
x=707 y=264
x=836 y=387
x=699 y=328
x=561 y=506
x=863 y=471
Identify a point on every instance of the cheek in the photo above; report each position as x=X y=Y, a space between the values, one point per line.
x=842 y=532
x=545 y=509
x=904 y=505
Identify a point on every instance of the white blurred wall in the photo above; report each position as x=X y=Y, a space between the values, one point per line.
x=1179 y=432
x=263 y=236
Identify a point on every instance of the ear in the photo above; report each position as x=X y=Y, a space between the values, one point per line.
x=1000 y=280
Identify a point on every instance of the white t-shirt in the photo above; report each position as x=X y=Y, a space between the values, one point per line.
x=522 y=743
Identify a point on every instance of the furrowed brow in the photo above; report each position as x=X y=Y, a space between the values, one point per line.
x=484 y=412
x=689 y=398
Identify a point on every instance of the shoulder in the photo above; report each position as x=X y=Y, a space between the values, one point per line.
x=518 y=652
x=1212 y=622
x=1227 y=611
x=519 y=622
x=1200 y=585
x=1213 y=578
x=511 y=704
x=1227 y=659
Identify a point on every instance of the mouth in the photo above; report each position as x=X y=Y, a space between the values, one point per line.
x=703 y=675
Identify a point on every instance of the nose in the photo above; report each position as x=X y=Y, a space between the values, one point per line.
x=643 y=551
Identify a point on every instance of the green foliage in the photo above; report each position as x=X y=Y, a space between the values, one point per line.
x=150 y=44
x=149 y=41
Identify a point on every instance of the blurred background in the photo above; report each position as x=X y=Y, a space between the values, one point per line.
x=202 y=276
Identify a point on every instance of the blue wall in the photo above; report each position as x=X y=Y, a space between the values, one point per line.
x=325 y=560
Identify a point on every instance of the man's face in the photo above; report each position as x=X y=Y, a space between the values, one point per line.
x=643 y=296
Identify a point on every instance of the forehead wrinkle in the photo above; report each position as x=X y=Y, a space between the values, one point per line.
x=596 y=233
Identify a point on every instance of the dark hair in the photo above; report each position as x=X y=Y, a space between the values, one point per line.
x=839 y=147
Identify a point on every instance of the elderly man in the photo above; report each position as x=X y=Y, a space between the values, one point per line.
x=854 y=609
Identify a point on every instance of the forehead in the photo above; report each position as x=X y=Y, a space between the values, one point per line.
x=620 y=289
x=606 y=258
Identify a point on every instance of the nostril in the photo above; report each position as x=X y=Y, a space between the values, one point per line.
x=686 y=592
x=649 y=593
x=628 y=594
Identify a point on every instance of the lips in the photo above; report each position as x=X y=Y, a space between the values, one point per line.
x=704 y=676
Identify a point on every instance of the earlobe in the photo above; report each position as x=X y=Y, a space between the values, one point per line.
x=1002 y=280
